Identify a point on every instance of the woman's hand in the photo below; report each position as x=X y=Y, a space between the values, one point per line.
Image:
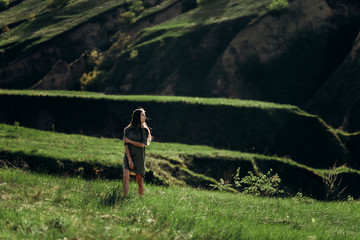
x=126 y=140
x=131 y=164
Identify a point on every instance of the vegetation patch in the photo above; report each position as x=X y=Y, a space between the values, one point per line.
x=247 y=126
x=167 y=163
x=37 y=206
x=45 y=22
x=277 y=6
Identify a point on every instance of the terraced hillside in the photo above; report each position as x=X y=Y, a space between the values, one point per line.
x=302 y=54
x=249 y=126
x=34 y=32
x=167 y=163
x=262 y=131
x=229 y=85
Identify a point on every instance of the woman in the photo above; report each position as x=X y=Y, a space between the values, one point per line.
x=136 y=136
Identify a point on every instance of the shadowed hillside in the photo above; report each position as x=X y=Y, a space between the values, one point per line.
x=249 y=126
x=235 y=48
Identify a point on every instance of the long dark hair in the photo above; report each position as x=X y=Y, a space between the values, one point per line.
x=136 y=123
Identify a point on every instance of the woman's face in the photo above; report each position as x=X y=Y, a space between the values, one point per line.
x=142 y=117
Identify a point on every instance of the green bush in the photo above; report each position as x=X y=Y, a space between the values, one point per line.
x=4 y=4
x=264 y=184
x=92 y=81
x=127 y=18
x=277 y=6
x=136 y=6
x=57 y=3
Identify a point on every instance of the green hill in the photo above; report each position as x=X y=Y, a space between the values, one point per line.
x=301 y=53
x=250 y=126
x=267 y=130
x=167 y=163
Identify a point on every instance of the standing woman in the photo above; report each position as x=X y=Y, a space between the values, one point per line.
x=136 y=136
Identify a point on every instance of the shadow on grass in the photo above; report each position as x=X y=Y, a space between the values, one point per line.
x=68 y=168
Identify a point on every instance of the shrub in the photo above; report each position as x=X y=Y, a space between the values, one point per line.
x=17 y=125
x=264 y=184
x=277 y=6
x=57 y=3
x=4 y=4
x=92 y=81
x=121 y=43
x=31 y=17
x=94 y=58
x=334 y=191
x=127 y=18
x=221 y=186
x=136 y=6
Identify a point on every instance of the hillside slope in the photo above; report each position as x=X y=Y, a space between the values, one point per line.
x=167 y=163
x=249 y=126
x=34 y=33
x=240 y=53
x=232 y=48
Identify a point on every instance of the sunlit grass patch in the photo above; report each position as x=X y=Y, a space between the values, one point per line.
x=154 y=98
x=33 y=205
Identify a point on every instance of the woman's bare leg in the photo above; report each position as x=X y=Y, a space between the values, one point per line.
x=140 y=182
x=126 y=178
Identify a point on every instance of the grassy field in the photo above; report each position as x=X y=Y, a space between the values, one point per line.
x=247 y=126
x=37 y=206
x=167 y=163
x=49 y=148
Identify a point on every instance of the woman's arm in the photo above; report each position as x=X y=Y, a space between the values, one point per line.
x=131 y=164
x=137 y=144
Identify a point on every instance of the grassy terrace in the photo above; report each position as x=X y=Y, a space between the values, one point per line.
x=34 y=206
x=163 y=158
x=149 y=98
x=187 y=162
x=104 y=151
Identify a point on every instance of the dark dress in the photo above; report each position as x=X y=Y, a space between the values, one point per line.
x=137 y=153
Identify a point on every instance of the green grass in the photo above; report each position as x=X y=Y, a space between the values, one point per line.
x=105 y=151
x=153 y=98
x=36 y=206
x=170 y=163
x=265 y=128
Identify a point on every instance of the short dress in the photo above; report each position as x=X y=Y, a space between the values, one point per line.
x=137 y=153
